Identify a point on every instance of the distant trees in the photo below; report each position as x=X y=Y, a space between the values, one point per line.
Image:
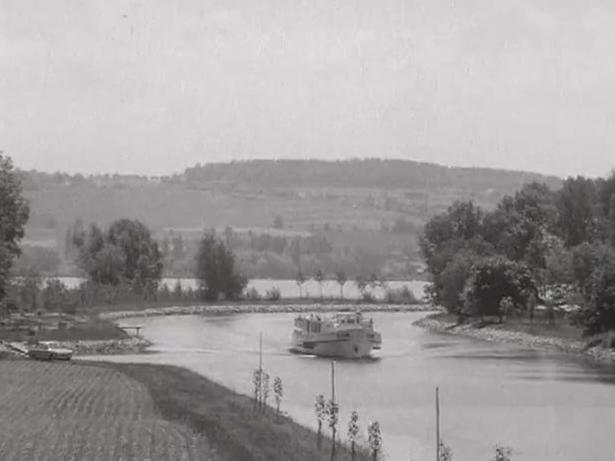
x=216 y=271
x=14 y=213
x=125 y=253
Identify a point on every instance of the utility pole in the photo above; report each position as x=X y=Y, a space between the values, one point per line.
x=260 y=352
x=333 y=380
x=333 y=409
x=437 y=424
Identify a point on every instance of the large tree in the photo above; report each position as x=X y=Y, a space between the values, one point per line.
x=216 y=271
x=13 y=217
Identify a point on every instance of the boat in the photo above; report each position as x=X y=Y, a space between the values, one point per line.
x=345 y=335
x=48 y=350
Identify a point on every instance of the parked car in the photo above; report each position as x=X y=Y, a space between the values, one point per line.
x=48 y=350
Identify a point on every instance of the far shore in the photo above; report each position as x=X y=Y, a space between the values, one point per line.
x=262 y=308
x=443 y=323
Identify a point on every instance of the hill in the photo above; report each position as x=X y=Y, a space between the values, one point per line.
x=355 y=215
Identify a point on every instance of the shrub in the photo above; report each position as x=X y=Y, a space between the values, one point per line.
x=253 y=295
x=401 y=295
x=273 y=294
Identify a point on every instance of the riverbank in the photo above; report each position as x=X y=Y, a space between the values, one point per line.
x=444 y=323
x=139 y=411
x=264 y=308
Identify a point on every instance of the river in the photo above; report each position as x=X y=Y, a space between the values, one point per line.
x=289 y=288
x=544 y=405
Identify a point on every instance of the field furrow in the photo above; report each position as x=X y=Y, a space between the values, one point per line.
x=52 y=411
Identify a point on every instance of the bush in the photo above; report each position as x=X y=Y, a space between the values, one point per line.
x=273 y=294
x=253 y=295
x=367 y=296
x=401 y=295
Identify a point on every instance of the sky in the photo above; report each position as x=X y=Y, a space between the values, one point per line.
x=155 y=86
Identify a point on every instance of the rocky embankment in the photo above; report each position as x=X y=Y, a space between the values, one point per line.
x=500 y=334
x=132 y=345
x=240 y=308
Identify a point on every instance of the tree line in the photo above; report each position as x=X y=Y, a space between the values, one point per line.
x=121 y=261
x=536 y=246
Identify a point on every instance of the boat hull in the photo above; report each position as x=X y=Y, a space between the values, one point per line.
x=343 y=344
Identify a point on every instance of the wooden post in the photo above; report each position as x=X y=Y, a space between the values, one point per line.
x=437 y=424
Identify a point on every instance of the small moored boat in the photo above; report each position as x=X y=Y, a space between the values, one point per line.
x=346 y=335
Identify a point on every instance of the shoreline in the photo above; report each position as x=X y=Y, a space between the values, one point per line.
x=277 y=308
x=500 y=334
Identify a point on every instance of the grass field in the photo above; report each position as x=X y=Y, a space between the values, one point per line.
x=80 y=411
x=54 y=411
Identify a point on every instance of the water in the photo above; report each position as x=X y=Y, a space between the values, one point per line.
x=290 y=289
x=544 y=405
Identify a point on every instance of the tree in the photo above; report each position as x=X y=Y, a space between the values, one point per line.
x=228 y=236
x=300 y=279
x=333 y=410
x=449 y=286
x=265 y=387
x=353 y=432
x=278 y=391
x=257 y=382
x=56 y=297
x=341 y=278
x=14 y=213
x=598 y=315
x=216 y=270
x=361 y=284
x=374 y=439
x=576 y=204
x=495 y=278
x=446 y=454
x=319 y=277
x=320 y=407
x=519 y=220
x=124 y=253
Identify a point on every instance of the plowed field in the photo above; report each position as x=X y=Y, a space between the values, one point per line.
x=66 y=411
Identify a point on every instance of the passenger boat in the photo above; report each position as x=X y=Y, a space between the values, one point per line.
x=346 y=335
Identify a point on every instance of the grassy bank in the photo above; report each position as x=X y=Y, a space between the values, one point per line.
x=138 y=411
x=226 y=418
x=537 y=334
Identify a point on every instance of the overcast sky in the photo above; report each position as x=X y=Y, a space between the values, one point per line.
x=155 y=86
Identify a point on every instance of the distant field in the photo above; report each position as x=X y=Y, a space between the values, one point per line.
x=53 y=411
